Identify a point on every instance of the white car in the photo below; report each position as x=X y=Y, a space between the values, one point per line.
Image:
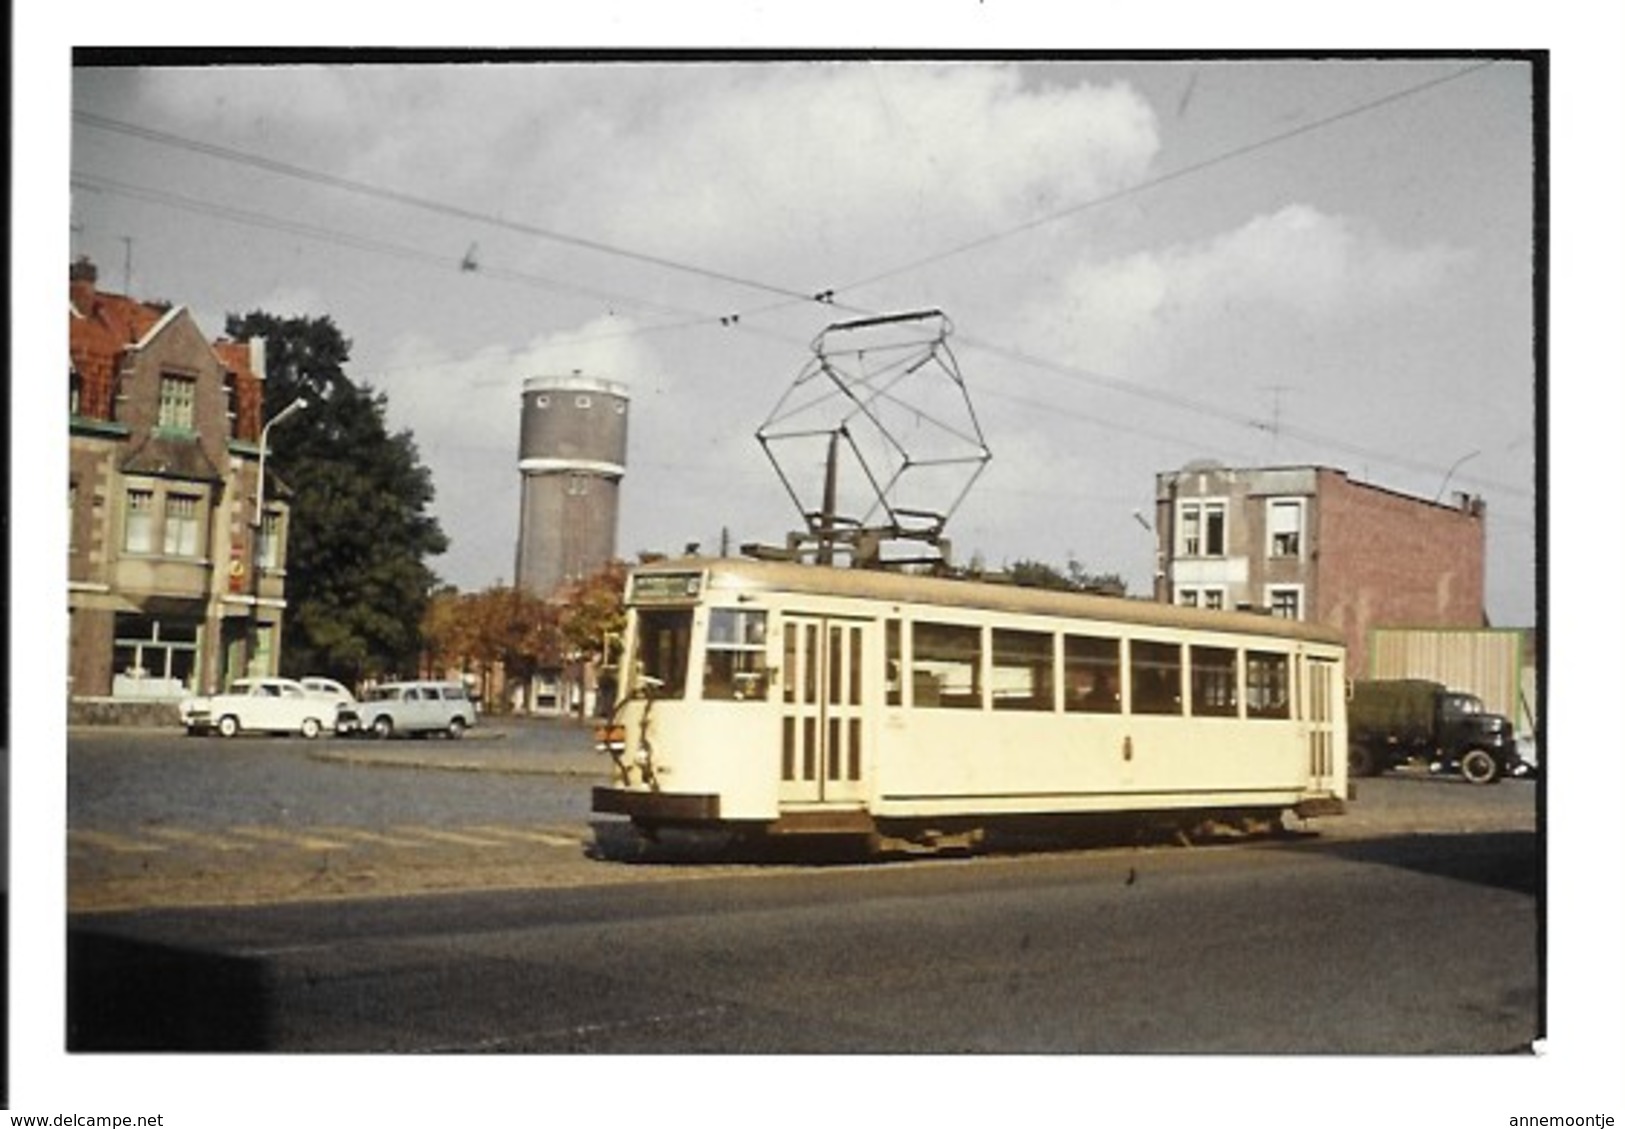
x=417 y=707
x=347 y=720
x=261 y=705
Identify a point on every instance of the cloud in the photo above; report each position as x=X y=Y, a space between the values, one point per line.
x=821 y=168
x=1296 y=267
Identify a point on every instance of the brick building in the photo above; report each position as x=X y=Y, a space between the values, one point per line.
x=171 y=588
x=1309 y=543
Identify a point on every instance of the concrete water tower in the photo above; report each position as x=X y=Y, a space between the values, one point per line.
x=572 y=455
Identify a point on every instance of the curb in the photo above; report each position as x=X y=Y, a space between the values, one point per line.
x=513 y=765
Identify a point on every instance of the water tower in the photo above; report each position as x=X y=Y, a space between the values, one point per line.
x=572 y=456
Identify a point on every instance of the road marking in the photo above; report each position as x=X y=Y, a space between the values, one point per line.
x=197 y=839
x=356 y=834
x=324 y=838
x=106 y=841
x=290 y=837
x=445 y=836
x=547 y=838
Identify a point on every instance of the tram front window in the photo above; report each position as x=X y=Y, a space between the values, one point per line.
x=663 y=642
x=736 y=655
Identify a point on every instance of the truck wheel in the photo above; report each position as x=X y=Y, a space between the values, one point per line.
x=1363 y=762
x=1478 y=767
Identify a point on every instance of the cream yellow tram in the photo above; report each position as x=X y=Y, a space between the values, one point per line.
x=780 y=698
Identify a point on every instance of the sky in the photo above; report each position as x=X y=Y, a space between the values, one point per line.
x=1141 y=264
x=1144 y=264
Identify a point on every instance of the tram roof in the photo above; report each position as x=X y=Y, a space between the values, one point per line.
x=747 y=575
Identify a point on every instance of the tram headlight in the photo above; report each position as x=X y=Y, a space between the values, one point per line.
x=611 y=739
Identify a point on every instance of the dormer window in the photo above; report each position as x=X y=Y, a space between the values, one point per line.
x=176 y=403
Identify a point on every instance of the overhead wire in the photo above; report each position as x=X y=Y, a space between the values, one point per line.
x=439 y=207
x=1172 y=175
x=789 y=297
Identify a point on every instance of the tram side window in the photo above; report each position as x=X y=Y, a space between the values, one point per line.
x=947 y=666
x=1154 y=677
x=1023 y=670
x=1213 y=682
x=1094 y=675
x=736 y=655
x=663 y=642
x=894 y=662
x=1268 y=688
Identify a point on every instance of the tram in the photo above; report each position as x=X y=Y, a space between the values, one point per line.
x=771 y=698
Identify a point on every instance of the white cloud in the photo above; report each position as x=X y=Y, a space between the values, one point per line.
x=846 y=167
x=1296 y=266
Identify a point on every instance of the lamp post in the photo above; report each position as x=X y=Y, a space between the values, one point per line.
x=1161 y=574
x=265 y=453
x=259 y=520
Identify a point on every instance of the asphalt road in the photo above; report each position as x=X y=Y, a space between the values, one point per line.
x=155 y=819
x=330 y=897
x=1405 y=945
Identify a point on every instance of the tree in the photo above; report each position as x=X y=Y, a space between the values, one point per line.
x=1036 y=574
x=592 y=623
x=360 y=531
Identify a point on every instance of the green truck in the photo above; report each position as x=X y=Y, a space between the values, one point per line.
x=1400 y=721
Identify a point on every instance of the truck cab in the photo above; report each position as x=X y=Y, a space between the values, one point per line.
x=1394 y=722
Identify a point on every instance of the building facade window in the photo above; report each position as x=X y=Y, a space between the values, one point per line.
x=176 y=403
x=138 y=519
x=1210 y=598
x=1286 y=527
x=181 y=525
x=269 y=541
x=1202 y=528
x=1285 y=600
x=157 y=648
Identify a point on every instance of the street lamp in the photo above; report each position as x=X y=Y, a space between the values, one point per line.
x=265 y=453
x=1449 y=474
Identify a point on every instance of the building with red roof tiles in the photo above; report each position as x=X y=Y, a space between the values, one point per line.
x=172 y=589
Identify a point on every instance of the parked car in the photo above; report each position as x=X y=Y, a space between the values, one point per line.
x=260 y=705
x=348 y=718
x=417 y=708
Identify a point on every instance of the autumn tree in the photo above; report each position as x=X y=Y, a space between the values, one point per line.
x=360 y=533
x=591 y=623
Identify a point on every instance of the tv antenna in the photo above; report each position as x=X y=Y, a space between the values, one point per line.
x=878 y=428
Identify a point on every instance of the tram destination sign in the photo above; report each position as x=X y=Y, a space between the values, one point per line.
x=665 y=587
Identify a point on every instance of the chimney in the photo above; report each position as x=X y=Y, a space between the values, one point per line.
x=82 y=285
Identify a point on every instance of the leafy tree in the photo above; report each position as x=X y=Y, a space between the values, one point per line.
x=593 y=621
x=1036 y=574
x=360 y=530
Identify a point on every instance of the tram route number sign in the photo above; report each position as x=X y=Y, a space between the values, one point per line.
x=666 y=587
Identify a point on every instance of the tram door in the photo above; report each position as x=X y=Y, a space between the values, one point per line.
x=824 y=734
x=1319 y=715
